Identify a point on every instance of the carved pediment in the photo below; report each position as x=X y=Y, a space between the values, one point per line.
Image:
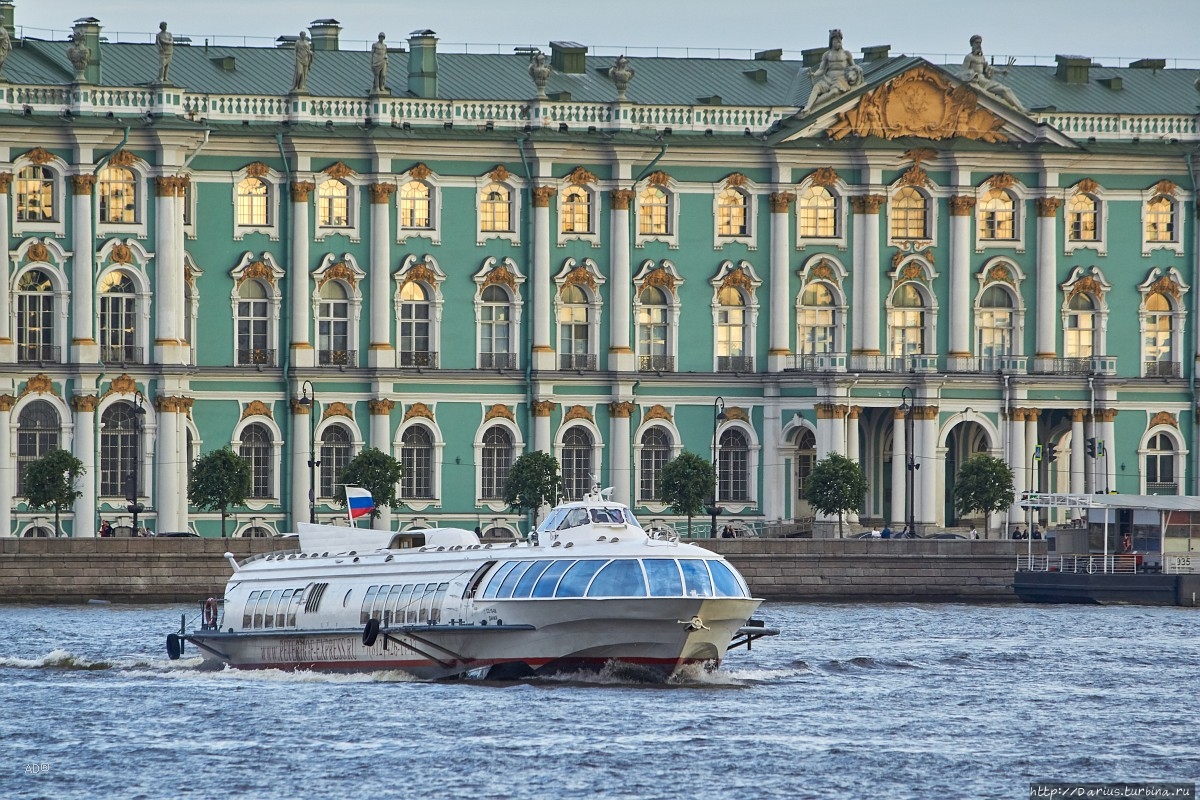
x=923 y=103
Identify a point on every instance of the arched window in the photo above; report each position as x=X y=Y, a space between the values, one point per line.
x=35 y=318
x=415 y=205
x=908 y=321
x=252 y=206
x=333 y=204
x=35 y=195
x=495 y=209
x=257 y=449
x=910 y=214
x=731 y=332
x=118 y=320
x=816 y=322
x=1160 y=219
x=1157 y=329
x=252 y=342
x=654 y=352
x=733 y=467
x=116 y=188
x=333 y=326
x=997 y=215
x=653 y=212
x=415 y=332
x=574 y=330
x=37 y=434
x=335 y=455
x=656 y=452
x=495 y=329
x=1082 y=218
x=119 y=433
x=497 y=461
x=818 y=213
x=994 y=324
x=1160 y=465
x=577 y=462
x=576 y=210
x=1079 y=335
x=806 y=459
x=731 y=213
x=416 y=456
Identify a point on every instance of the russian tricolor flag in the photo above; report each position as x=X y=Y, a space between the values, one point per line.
x=359 y=501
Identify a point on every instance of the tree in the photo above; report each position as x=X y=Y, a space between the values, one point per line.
x=375 y=471
x=836 y=485
x=50 y=481
x=984 y=483
x=220 y=479
x=533 y=480
x=685 y=483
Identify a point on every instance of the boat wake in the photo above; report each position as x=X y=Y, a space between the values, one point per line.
x=57 y=660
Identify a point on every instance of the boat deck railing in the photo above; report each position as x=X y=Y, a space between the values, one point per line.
x=1090 y=564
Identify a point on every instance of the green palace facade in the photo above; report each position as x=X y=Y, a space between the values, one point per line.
x=457 y=258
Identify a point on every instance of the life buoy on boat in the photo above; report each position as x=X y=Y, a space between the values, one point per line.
x=370 y=633
x=210 y=612
x=174 y=646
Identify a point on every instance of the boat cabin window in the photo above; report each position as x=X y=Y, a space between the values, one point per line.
x=696 y=580
x=654 y=577
x=619 y=579
x=630 y=519
x=548 y=582
x=407 y=539
x=497 y=577
x=271 y=608
x=404 y=604
x=552 y=520
x=608 y=516
x=725 y=581
x=575 y=517
x=664 y=577
x=525 y=586
x=510 y=580
x=575 y=582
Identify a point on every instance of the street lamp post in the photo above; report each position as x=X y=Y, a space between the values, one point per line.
x=910 y=463
x=139 y=413
x=714 y=509
x=306 y=389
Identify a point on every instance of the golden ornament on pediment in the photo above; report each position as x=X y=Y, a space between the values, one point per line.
x=257 y=169
x=337 y=409
x=961 y=205
x=912 y=272
x=578 y=412
x=301 y=190
x=7 y=401
x=1166 y=187
x=122 y=158
x=338 y=169
x=1164 y=418
x=1087 y=285
x=580 y=275
x=418 y=410
x=38 y=384
x=735 y=179
x=738 y=279
x=897 y=257
x=5 y=181
x=658 y=178
x=543 y=408
x=921 y=102
x=381 y=407
x=1167 y=285
x=85 y=403
x=1047 y=206
x=915 y=176
x=1001 y=180
x=122 y=384
x=420 y=272
x=822 y=271
x=781 y=201
x=256 y=408
x=500 y=411
x=500 y=174
x=621 y=409
x=1000 y=273
x=738 y=413
x=1088 y=186
x=341 y=272
x=919 y=155
x=825 y=176
x=660 y=277
x=657 y=411
x=38 y=251
x=500 y=275
x=257 y=271
x=581 y=177
x=121 y=254
x=40 y=156
x=621 y=198
x=542 y=195
x=381 y=192
x=420 y=172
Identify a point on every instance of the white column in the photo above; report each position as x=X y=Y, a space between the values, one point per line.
x=83 y=445
x=1108 y=431
x=83 y=281
x=899 y=467
x=1032 y=478
x=301 y=449
x=827 y=424
x=541 y=426
x=543 y=351
x=1047 y=275
x=774 y=471
x=621 y=354
x=6 y=333
x=1016 y=443
x=620 y=466
x=927 y=476
x=381 y=439
x=960 y=275
x=169 y=492
x=303 y=354
x=852 y=446
x=8 y=465
x=381 y=352
x=866 y=239
x=780 y=294
x=168 y=275
x=1078 y=453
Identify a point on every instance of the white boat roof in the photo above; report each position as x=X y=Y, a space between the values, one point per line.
x=341 y=539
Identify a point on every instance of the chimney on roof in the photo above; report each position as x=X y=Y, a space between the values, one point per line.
x=812 y=56
x=422 y=64
x=769 y=55
x=90 y=28
x=877 y=52
x=8 y=16
x=324 y=33
x=1073 y=69
x=568 y=57
x=1149 y=63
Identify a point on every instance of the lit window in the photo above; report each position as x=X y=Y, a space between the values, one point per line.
x=118 y=320
x=333 y=204
x=495 y=329
x=497 y=461
x=731 y=213
x=1160 y=219
x=577 y=463
x=1079 y=337
x=733 y=467
x=415 y=327
x=908 y=321
x=35 y=318
x=994 y=323
x=257 y=450
x=997 y=215
x=576 y=210
x=118 y=450
x=35 y=195
x=116 y=188
x=252 y=208
x=656 y=452
x=335 y=455
x=37 y=434
x=818 y=213
x=574 y=330
x=415 y=199
x=653 y=346
x=252 y=341
x=817 y=324
x=495 y=209
x=653 y=212
x=910 y=214
x=1157 y=333
x=333 y=326
x=731 y=332
x=416 y=457
x=1082 y=217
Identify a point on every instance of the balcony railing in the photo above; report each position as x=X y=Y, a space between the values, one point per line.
x=735 y=363
x=986 y=364
x=1091 y=365
x=121 y=354
x=1161 y=369
x=659 y=363
x=257 y=356
x=419 y=358
x=821 y=362
x=39 y=353
x=337 y=358
x=860 y=362
x=498 y=360
x=577 y=361
x=1162 y=487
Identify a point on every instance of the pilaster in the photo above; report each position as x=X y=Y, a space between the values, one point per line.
x=381 y=353
x=780 y=294
x=621 y=355
x=303 y=354
x=84 y=348
x=1047 y=275
x=543 y=351
x=620 y=467
x=866 y=255
x=960 y=275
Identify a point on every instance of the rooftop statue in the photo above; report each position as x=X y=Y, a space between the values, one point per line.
x=980 y=74
x=166 y=47
x=304 y=57
x=539 y=70
x=5 y=47
x=836 y=74
x=379 y=65
x=621 y=73
x=78 y=54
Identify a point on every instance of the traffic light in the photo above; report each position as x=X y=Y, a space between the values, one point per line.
x=1051 y=455
x=1091 y=447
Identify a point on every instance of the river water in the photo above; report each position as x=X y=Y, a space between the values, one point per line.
x=849 y=701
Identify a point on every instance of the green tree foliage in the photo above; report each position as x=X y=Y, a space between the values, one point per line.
x=375 y=471
x=220 y=479
x=50 y=481
x=533 y=480
x=984 y=484
x=836 y=485
x=685 y=483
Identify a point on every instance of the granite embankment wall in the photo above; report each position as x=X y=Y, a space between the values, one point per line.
x=186 y=569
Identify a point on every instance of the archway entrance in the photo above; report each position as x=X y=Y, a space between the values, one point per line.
x=964 y=440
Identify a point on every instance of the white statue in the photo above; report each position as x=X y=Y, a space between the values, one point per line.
x=166 y=47
x=836 y=74
x=622 y=73
x=5 y=47
x=539 y=71
x=981 y=75
x=78 y=54
x=379 y=64
x=304 y=57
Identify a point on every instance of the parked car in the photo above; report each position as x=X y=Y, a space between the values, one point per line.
x=868 y=535
x=945 y=536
